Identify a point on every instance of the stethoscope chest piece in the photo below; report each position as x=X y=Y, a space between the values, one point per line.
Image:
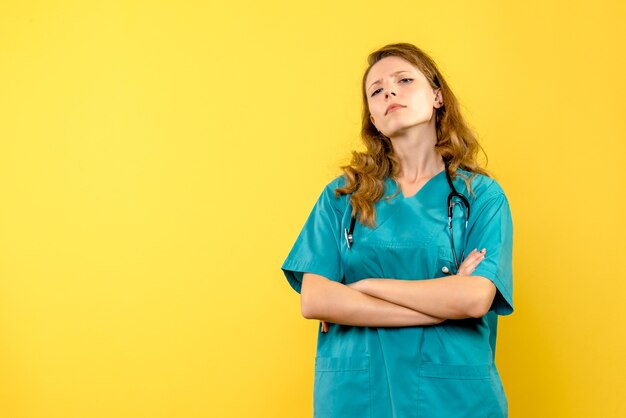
x=348 y=232
x=348 y=237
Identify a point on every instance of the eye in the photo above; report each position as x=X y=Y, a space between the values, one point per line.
x=376 y=92
x=406 y=80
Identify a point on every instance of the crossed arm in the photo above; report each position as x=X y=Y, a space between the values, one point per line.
x=397 y=303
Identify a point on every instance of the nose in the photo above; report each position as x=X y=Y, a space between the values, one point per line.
x=388 y=93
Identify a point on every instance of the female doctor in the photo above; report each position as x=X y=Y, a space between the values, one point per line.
x=406 y=258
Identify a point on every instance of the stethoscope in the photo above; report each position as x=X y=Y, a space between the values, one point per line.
x=349 y=233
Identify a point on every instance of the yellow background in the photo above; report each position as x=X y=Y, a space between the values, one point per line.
x=158 y=159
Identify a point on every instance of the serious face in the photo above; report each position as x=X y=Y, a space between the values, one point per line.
x=399 y=96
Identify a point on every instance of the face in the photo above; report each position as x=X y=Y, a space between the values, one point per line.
x=399 y=96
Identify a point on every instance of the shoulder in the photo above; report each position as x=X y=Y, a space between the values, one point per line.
x=328 y=194
x=487 y=199
x=338 y=181
x=483 y=188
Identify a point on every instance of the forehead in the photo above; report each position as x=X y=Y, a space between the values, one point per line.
x=388 y=66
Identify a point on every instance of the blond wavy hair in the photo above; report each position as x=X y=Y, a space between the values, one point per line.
x=456 y=143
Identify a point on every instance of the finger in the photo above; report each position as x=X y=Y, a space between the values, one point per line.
x=471 y=262
x=476 y=255
x=471 y=258
x=472 y=253
x=474 y=261
x=469 y=265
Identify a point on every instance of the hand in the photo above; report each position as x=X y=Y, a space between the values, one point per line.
x=470 y=263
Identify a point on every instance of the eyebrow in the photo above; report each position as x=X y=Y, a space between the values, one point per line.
x=396 y=73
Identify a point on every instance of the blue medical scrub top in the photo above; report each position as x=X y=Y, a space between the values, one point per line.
x=445 y=370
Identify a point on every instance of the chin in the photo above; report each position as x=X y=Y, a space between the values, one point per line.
x=400 y=128
x=396 y=130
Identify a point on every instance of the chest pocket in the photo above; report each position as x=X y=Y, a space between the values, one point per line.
x=444 y=265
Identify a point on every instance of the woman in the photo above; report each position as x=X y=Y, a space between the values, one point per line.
x=408 y=323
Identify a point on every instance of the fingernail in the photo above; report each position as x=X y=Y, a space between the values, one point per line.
x=484 y=250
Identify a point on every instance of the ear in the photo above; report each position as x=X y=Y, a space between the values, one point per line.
x=438 y=99
x=372 y=120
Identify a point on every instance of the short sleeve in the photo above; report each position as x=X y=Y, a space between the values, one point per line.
x=317 y=248
x=493 y=230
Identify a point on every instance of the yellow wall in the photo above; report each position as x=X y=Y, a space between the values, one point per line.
x=158 y=160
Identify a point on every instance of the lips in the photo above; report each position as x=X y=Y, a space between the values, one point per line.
x=393 y=107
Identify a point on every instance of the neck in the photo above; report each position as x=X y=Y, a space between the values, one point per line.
x=415 y=151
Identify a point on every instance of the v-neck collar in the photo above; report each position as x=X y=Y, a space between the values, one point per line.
x=395 y=202
x=394 y=187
